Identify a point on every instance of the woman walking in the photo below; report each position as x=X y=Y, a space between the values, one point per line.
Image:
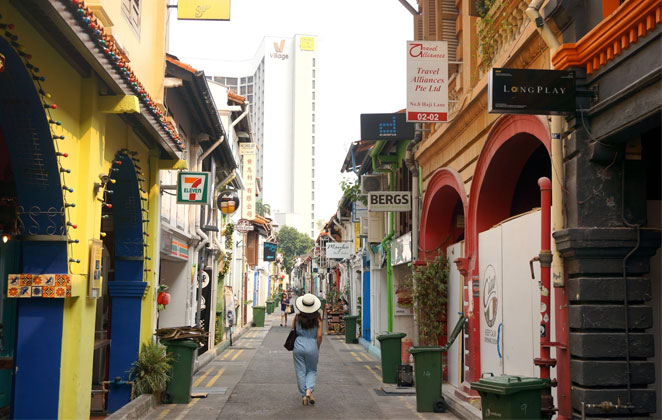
x=284 y=307
x=308 y=324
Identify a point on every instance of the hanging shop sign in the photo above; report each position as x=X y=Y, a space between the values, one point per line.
x=248 y=173
x=193 y=188
x=228 y=201
x=203 y=9
x=386 y=127
x=244 y=226
x=427 y=81
x=525 y=91
x=269 y=253
x=247 y=149
x=389 y=201
x=338 y=250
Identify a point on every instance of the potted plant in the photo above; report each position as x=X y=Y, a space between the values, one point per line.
x=428 y=283
x=150 y=373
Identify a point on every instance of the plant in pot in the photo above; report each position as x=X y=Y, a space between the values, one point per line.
x=150 y=373
x=428 y=283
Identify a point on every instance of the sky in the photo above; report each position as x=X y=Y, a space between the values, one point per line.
x=361 y=63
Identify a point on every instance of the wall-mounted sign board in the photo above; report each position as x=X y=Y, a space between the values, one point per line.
x=386 y=127
x=525 y=91
x=389 y=201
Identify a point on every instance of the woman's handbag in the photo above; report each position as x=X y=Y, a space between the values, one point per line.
x=291 y=338
x=289 y=342
x=290 y=309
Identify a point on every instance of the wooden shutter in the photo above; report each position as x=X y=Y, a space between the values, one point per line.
x=449 y=16
x=430 y=20
x=418 y=28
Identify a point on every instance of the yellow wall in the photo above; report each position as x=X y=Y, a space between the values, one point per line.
x=91 y=140
x=147 y=49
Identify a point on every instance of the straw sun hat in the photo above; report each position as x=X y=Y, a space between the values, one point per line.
x=308 y=303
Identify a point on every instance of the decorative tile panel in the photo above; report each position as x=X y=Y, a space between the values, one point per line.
x=39 y=286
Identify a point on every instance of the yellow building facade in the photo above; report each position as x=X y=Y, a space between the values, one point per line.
x=83 y=137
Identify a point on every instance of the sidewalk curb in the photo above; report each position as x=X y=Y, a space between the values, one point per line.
x=458 y=407
x=135 y=409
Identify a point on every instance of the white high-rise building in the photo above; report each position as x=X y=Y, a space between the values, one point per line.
x=280 y=85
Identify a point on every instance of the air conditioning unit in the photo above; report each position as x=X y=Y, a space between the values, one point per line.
x=371 y=183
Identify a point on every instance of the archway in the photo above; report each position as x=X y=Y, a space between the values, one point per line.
x=38 y=208
x=514 y=156
x=125 y=241
x=444 y=205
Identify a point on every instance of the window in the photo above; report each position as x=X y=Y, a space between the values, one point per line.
x=313 y=73
x=313 y=84
x=313 y=128
x=313 y=62
x=313 y=96
x=313 y=116
x=313 y=106
x=131 y=11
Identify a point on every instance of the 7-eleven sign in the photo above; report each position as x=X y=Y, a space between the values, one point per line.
x=193 y=188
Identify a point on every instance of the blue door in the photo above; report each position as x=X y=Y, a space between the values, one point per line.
x=366 y=305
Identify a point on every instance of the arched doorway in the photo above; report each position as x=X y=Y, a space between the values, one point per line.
x=33 y=205
x=443 y=213
x=515 y=155
x=442 y=230
x=124 y=238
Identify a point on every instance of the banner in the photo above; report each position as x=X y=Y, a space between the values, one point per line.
x=247 y=151
x=427 y=81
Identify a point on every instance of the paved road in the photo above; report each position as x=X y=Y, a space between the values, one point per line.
x=254 y=379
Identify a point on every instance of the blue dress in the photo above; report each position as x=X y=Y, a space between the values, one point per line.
x=305 y=355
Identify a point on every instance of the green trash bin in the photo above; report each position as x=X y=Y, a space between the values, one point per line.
x=258 y=316
x=391 y=348
x=270 y=307
x=350 y=328
x=510 y=397
x=427 y=375
x=178 y=389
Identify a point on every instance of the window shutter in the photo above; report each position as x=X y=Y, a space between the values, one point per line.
x=449 y=15
x=430 y=20
x=418 y=28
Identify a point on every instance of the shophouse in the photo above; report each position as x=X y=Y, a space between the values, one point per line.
x=84 y=135
x=482 y=198
x=191 y=241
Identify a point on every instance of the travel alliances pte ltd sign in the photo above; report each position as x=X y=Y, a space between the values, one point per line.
x=427 y=81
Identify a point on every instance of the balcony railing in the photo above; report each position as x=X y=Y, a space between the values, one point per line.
x=607 y=40
x=497 y=29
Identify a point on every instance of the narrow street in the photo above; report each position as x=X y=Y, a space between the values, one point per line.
x=254 y=379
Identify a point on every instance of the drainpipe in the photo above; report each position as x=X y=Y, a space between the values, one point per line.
x=396 y=162
x=208 y=151
x=415 y=191
x=558 y=274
